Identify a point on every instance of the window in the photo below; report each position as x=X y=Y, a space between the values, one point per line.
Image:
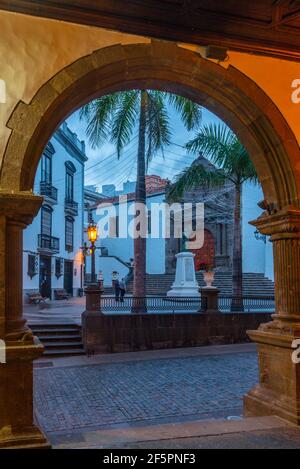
x=70 y=170
x=69 y=234
x=46 y=164
x=32 y=268
x=46 y=220
x=59 y=266
x=46 y=169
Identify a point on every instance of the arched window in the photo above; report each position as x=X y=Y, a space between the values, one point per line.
x=69 y=234
x=70 y=171
x=46 y=164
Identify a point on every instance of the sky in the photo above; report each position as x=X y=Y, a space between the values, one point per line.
x=103 y=166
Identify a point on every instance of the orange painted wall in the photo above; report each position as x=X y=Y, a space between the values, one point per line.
x=33 y=49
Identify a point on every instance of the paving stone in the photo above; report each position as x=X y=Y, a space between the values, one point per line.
x=69 y=398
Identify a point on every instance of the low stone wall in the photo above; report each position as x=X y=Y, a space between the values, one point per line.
x=128 y=332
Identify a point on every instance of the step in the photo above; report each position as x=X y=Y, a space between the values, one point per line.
x=58 y=337
x=62 y=345
x=47 y=329
x=63 y=353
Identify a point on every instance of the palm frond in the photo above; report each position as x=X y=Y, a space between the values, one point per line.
x=191 y=113
x=195 y=177
x=214 y=142
x=98 y=116
x=158 y=127
x=124 y=120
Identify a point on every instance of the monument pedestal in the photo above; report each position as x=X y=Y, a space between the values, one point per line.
x=209 y=300
x=185 y=284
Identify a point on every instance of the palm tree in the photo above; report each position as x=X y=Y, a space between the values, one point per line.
x=233 y=164
x=114 y=118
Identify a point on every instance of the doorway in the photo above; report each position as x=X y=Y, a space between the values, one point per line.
x=68 y=277
x=45 y=276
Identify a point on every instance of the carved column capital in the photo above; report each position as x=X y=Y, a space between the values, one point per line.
x=20 y=207
x=283 y=224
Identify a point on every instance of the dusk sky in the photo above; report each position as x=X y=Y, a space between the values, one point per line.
x=103 y=166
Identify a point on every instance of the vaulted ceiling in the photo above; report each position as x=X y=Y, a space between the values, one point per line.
x=269 y=27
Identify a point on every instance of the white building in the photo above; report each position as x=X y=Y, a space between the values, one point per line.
x=52 y=255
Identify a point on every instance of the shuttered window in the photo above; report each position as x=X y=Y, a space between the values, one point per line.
x=46 y=221
x=69 y=233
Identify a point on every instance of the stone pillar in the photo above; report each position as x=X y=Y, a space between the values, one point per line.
x=16 y=375
x=278 y=391
x=92 y=319
x=209 y=300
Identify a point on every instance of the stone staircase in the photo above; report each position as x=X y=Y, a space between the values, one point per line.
x=59 y=340
x=254 y=284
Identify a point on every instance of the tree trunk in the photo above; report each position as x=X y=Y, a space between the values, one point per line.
x=139 y=279
x=237 y=260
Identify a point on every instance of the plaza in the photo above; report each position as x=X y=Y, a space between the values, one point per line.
x=150 y=399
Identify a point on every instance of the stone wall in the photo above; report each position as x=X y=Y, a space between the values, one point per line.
x=128 y=332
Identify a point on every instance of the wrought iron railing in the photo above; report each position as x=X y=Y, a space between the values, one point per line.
x=247 y=303
x=160 y=304
x=151 y=303
x=48 y=242
x=48 y=190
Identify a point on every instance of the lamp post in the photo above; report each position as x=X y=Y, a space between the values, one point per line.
x=92 y=318
x=92 y=236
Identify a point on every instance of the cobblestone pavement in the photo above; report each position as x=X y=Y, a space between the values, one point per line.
x=131 y=393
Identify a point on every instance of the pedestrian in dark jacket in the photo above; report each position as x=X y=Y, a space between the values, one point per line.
x=122 y=288
x=117 y=289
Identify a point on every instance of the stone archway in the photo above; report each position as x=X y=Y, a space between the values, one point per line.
x=272 y=146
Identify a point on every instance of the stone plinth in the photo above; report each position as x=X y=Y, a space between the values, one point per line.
x=209 y=300
x=185 y=284
x=90 y=318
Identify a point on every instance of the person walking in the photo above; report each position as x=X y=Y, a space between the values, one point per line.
x=122 y=288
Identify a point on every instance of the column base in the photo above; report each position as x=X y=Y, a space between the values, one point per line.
x=29 y=438
x=17 y=428
x=278 y=391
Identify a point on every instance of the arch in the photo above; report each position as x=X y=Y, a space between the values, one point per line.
x=161 y=65
x=70 y=167
x=49 y=150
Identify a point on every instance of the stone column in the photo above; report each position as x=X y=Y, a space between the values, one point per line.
x=278 y=391
x=16 y=375
x=92 y=320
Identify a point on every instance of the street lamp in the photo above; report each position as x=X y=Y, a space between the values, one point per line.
x=92 y=236
x=259 y=236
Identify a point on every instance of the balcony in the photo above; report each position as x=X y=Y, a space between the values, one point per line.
x=71 y=207
x=48 y=244
x=49 y=192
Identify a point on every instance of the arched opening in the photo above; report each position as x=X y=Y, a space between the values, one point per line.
x=163 y=66
x=226 y=92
